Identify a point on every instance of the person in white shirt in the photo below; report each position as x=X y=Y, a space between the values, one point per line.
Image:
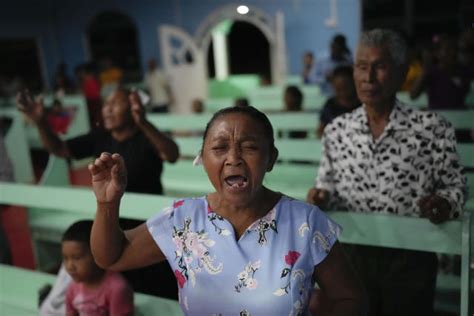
x=387 y=158
x=158 y=86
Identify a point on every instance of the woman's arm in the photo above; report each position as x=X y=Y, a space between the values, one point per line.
x=112 y=248
x=341 y=291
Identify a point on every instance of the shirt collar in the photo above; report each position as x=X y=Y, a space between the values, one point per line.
x=398 y=119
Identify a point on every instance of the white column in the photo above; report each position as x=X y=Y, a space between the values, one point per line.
x=221 y=64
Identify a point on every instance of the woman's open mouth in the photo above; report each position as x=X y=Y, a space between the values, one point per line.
x=236 y=181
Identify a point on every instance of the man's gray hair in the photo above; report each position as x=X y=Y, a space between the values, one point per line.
x=388 y=38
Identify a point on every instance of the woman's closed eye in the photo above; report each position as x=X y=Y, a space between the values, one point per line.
x=219 y=147
x=250 y=146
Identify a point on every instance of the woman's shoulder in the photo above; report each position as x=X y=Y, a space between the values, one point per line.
x=187 y=207
x=298 y=208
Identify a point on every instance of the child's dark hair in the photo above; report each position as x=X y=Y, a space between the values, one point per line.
x=343 y=71
x=251 y=112
x=79 y=231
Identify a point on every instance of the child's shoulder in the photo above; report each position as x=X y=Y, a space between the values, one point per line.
x=115 y=281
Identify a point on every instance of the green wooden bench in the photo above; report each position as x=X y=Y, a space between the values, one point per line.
x=17 y=147
x=19 y=295
x=453 y=237
x=282 y=122
x=234 y=86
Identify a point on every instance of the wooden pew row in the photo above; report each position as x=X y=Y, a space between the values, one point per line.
x=305 y=149
x=453 y=237
x=19 y=295
x=283 y=121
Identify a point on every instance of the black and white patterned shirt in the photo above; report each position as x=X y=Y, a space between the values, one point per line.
x=414 y=157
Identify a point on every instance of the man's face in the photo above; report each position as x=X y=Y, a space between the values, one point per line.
x=377 y=77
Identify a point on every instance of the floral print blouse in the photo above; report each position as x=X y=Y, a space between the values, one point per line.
x=265 y=272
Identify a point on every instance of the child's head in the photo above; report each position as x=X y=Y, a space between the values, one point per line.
x=197 y=106
x=343 y=83
x=293 y=99
x=77 y=256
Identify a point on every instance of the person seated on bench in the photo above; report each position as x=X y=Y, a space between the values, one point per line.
x=444 y=78
x=387 y=158
x=241 y=250
x=293 y=101
x=344 y=100
x=93 y=290
x=143 y=147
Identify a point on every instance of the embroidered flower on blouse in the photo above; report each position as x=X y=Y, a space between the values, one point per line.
x=263 y=225
x=192 y=254
x=290 y=259
x=213 y=216
x=247 y=277
x=324 y=240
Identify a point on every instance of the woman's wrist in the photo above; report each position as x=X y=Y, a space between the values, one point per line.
x=109 y=206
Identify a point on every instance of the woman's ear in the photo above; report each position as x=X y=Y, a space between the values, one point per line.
x=272 y=159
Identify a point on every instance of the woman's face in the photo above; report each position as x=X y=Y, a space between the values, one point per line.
x=116 y=111
x=236 y=154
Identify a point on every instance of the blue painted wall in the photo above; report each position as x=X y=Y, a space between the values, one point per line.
x=61 y=25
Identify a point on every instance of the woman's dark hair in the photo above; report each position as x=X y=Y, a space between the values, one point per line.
x=79 y=231
x=251 y=112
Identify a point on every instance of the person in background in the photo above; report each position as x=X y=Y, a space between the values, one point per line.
x=197 y=106
x=309 y=70
x=90 y=88
x=387 y=158
x=93 y=290
x=446 y=82
x=415 y=66
x=345 y=97
x=160 y=91
x=110 y=76
x=339 y=55
x=62 y=82
x=293 y=100
x=241 y=102
x=239 y=246
x=142 y=146
x=59 y=118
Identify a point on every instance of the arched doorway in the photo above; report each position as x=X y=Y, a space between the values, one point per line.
x=248 y=51
x=271 y=27
x=113 y=36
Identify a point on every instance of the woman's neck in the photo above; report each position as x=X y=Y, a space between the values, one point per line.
x=241 y=216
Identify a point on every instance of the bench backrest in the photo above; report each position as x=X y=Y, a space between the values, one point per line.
x=17 y=147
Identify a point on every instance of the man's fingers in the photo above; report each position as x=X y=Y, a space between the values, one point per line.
x=322 y=194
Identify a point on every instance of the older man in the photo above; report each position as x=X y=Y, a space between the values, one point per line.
x=387 y=158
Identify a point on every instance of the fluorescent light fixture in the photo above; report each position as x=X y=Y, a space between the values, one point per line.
x=242 y=9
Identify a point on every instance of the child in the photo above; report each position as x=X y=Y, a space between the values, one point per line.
x=93 y=290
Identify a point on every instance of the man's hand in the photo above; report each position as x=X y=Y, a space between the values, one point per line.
x=109 y=177
x=136 y=106
x=318 y=197
x=33 y=109
x=435 y=208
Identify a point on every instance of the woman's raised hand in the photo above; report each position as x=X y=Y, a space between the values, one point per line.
x=109 y=177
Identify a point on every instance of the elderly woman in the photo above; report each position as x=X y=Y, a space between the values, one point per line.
x=242 y=249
